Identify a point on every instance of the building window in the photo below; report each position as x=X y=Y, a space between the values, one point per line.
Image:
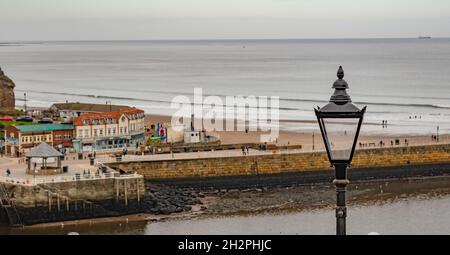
x=124 y=130
x=121 y=131
x=67 y=137
x=109 y=131
x=95 y=132
x=114 y=131
x=58 y=137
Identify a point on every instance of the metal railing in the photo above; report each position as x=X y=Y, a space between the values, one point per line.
x=30 y=181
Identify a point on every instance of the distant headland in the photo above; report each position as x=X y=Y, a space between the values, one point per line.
x=7 y=97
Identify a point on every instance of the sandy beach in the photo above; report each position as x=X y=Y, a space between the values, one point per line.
x=307 y=140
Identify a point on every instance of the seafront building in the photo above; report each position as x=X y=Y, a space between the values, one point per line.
x=110 y=130
x=20 y=139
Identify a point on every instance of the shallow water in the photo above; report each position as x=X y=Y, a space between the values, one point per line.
x=411 y=217
x=406 y=217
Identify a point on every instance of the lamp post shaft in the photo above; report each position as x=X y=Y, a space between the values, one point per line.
x=341 y=183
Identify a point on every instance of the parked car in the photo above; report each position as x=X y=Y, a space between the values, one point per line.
x=25 y=119
x=67 y=121
x=45 y=121
x=6 y=118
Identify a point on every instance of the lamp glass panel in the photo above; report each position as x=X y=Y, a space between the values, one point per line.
x=340 y=135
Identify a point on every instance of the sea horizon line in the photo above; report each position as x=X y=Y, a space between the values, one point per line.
x=220 y=39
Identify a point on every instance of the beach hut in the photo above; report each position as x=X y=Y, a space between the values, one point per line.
x=46 y=156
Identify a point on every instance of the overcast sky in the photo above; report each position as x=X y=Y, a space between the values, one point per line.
x=220 y=19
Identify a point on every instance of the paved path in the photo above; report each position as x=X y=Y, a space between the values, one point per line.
x=19 y=175
x=228 y=153
x=193 y=155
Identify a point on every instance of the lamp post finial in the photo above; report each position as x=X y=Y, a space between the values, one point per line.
x=340 y=73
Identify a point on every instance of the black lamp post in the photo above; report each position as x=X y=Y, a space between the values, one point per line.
x=340 y=121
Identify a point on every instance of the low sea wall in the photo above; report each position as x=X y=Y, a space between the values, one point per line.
x=282 y=163
x=65 y=194
x=70 y=200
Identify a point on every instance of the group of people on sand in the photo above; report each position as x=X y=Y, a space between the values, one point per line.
x=382 y=143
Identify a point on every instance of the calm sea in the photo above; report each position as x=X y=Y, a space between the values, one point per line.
x=404 y=81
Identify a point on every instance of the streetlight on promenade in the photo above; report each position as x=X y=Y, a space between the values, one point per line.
x=340 y=122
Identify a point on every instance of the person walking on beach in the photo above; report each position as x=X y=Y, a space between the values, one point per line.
x=243 y=150
x=8 y=172
x=246 y=148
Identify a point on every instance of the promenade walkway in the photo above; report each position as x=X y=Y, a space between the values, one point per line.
x=79 y=170
x=238 y=152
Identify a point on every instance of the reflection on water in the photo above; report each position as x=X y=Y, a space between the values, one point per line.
x=413 y=216
x=402 y=207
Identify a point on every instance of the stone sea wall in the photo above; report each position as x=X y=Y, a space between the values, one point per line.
x=282 y=163
x=79 y=191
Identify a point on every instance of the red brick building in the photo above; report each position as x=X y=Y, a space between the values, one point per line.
x=20 y=139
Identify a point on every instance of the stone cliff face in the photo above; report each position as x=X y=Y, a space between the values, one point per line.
x=7 y=98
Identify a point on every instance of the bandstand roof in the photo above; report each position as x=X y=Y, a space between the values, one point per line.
x=43 y=150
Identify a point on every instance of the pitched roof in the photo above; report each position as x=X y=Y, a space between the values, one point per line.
x=43 y=150
x=43 y=127
x=85 y=107
x=107 y=115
